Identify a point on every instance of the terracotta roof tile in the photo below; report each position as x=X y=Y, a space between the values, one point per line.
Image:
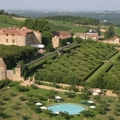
x=14 y=31
x=62 y=34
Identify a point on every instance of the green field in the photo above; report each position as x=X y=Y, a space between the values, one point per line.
x=65 y=26
x=8 y=21
x=117 y=30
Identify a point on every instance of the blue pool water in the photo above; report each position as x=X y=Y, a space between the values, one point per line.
x=68 y=107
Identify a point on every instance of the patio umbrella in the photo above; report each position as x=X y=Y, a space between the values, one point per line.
x=57 y=112
x=92 y=107
x=43 y=107
x=58 y=97
x=90 y=101
x=38 y=103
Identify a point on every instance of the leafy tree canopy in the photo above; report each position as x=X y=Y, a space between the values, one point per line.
x=40 y=25
x=110 y=32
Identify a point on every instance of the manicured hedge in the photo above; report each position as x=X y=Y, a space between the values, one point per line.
x=33 y=67
x=91 y=72
x=67 y=50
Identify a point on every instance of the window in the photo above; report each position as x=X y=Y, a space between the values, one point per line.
x=6 y=34
x=12 y=34
x=13 y=40
x=6 y=40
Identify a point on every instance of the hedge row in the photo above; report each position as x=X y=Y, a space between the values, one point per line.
x=113 y=54
x=91 y=72
x=67 y=50
x=106 y=69
x=33 y=67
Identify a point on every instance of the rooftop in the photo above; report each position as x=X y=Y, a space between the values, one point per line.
x=15 y=31
x=62 y=34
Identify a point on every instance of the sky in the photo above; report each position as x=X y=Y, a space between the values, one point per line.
x=60 y=5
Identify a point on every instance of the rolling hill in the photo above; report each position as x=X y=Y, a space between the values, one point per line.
x=8 y=21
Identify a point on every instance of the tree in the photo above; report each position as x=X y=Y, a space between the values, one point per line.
x=5 y=20
x=77 y=39
x=41 y=25
x=51 y=94
x=88 y=113
x=110 y=32
x=98 y=30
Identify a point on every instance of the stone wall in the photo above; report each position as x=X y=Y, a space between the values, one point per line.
x=3 y=73
x=36 y=37
x=14 y=76
x=55 y=41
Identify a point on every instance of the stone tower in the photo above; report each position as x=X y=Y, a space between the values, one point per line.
x=3 y=69
x=18 y=70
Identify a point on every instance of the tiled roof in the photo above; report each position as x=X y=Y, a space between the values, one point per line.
x=114 y=38
x=62 y=34
x=18 y=65
x=15 y=31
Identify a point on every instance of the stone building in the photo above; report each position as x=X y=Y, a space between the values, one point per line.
x=19 y=36
x=91 y=34
x=114 y=40
x=14 y=75
x=58 y=36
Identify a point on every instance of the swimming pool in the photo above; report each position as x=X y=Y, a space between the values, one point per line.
x=68 y=107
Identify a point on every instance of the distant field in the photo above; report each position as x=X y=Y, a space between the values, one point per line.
x=55 y=25
x=7 y=21
x=19 y=18
x=65 y=26
x=117 y=30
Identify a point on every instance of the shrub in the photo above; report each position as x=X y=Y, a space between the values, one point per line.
x=116 y=113
x=87 y=113
x=16 y=107
x=37 y=109
x=14 y=83
x=22 y=98
x=4 y=83
x=6 y=98
x=25 y=117
x=70 y=94
x=2 y=103
x=34 y=86
x=13 y=94
x=111 y=118
x=23 y=89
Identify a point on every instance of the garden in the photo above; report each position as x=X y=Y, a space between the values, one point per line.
x=21 y=101
x=76 y=65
